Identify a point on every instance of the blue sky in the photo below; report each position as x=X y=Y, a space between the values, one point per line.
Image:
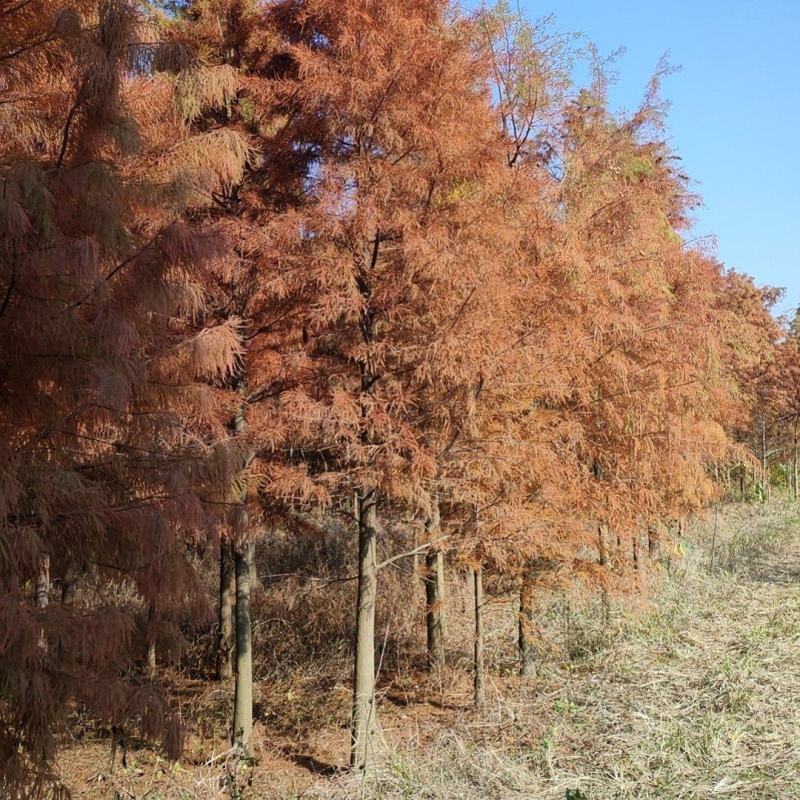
x=735 y=116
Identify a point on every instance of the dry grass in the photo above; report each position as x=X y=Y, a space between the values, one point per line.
x=695 y=696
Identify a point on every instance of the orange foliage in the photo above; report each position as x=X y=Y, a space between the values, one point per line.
x=399 y=244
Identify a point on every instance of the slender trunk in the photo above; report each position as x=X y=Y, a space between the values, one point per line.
x=742 y=478
x=243 y=700
x=364 y=730
x=243 y=561
x=653 y=541
x=479 y=687
x=635 y=544
x=434 y=594
x=764 y=475
x=151 y=658
x=41 y=591
x=527 y=649
x=434 y=614
x=795 y=485
x=68 y=583
x=67 y=596
x=601 y=545
x=227 y=601
x=151 y=641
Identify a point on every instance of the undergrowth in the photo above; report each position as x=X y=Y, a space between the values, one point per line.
x=692 y=693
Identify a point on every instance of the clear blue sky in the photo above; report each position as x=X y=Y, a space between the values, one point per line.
x=735 y=116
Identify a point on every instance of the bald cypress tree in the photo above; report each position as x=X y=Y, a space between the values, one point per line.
x=101 y=479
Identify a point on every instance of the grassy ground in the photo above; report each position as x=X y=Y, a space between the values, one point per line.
x=693 y=695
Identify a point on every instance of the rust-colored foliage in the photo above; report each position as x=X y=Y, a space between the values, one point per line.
x=258 y=259
x=100 y=473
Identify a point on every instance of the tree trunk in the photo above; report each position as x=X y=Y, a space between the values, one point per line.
x=68 y=583
x=41 y=591
x=364 y=729
x=635 y=543
x=151 y=658
x=527 y=649
x=434 y=614
x=795 y=482
x=243 y=557
x=764 y=464
x=479 y=686
x=227 y=601
x=653 y=541
x=243 y=566
x=434 y=594
x=151 y=641
x=601 y=545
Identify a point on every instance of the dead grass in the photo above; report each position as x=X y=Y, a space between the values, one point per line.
x=695 y=696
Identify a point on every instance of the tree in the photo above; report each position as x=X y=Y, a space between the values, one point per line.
x=100 y=478
x=389 y=252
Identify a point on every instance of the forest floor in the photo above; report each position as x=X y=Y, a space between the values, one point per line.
x=692 y=694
